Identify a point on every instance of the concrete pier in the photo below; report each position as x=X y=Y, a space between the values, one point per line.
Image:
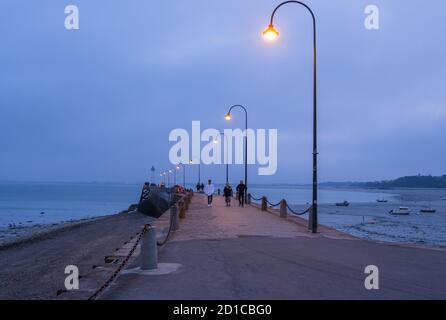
x=247 y=253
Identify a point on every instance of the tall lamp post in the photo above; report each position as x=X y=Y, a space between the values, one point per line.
x=199 y=170
x=228 y=117
x=184 y=174
x=226 y=155
x=175 y=174
x=168 y=177
x=271 y=33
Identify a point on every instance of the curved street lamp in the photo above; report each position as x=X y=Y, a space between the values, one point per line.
x=228 y=117
x=271 y=33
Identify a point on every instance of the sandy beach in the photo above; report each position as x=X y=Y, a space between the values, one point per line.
x=33 y=266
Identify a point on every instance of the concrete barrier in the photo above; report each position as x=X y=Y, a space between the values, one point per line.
x=283 y=209
x=149 y=250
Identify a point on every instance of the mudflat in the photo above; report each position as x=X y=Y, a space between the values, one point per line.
x=34 y=269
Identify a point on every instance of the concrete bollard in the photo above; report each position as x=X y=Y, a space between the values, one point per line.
x=174 y=217
x=149 y=250
x=182 y=209
x=264 y=204
x=248 y=199
x=310 y=218
x=283 y=209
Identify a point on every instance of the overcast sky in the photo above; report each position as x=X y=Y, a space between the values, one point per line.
x=98 y=104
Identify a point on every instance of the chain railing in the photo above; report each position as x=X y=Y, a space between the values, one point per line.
x=298 y=213
x=273 y=205
x=161 y=243
x=266 y=202
x=138 y=240
x=121 y=266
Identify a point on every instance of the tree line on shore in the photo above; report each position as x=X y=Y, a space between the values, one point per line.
x=418 y=181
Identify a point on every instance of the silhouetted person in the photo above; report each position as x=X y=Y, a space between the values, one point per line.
x=209 y=191
x=198 y=187
x=241 y=189
x=227 y=192
x=202 y=186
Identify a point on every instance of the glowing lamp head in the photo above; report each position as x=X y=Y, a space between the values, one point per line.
x=215 y=141
x=228 y=117
x=271 y=33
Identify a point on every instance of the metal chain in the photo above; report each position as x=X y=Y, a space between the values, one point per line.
x=255 y=199
x=161 y=243
x=298 y=213
x=273 y=205
x=122 y=265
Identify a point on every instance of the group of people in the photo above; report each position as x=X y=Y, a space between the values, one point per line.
x=200 y=187
x=228 y=193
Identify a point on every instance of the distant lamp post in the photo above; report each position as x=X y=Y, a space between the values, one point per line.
x=271 y=34
x=175 y=174
x=168 y=177
x=226 y=155
x=183 y=166
x=199 y=170
x=152 y=174
x=228 y=117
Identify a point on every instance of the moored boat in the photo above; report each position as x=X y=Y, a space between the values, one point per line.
x=428 y=210
x=382 y=200
x=343 y=204
x=401 y=211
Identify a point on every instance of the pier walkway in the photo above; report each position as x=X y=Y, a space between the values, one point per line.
x=245 y=253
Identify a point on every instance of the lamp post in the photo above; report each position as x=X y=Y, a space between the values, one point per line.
x=168 y=177
x=184 y=175
x=152 y=174
x=271 y=33
x=226 y=155
x=228 y=117
x=175 y=174
x=199 y=170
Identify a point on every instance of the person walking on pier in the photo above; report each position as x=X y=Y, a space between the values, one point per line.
x=209 y=191
x=227 y=192
x=241 y=189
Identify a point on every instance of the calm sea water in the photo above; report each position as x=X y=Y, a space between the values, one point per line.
x=366 y=218
x=27 y=204
x=44 y=203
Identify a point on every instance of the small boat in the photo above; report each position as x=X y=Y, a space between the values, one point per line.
x=382 y=200
x=428 y=210
x=401 y=211
x=444 y=198
x=343 y=204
